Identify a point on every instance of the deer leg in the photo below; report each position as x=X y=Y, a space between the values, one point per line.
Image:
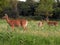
x=12 y=27
x=24 y=28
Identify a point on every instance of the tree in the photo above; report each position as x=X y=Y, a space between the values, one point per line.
x=32 y=4
x=14 y=7
x=23 y=8
x=45 y=7
x=4 y=4
x=58 y=3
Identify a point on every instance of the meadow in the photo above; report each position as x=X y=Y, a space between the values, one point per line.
x=34 y=35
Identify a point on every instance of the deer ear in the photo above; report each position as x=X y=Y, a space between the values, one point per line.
x=6 y=15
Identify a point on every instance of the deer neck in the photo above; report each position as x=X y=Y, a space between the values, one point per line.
x=7 y=19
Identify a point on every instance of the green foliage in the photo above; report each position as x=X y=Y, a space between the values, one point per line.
x=57 y=10
x=45 y=6
x=4 y=4
x=33 y=36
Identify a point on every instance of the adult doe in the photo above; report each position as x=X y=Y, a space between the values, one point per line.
x=18 y=22
x=55 y=23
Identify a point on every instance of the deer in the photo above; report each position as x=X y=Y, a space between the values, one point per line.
x=18 y=22
x=40 y=24
x=52 y=23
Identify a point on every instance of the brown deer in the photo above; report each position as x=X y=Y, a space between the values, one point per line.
x=40 y=24
x=18 y=22
x=55 y=23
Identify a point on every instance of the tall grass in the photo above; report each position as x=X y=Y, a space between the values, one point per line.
x=46 y=35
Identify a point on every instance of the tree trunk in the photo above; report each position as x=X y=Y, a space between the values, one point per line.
x=58 y=1
x=47 y=14
x=16 y=10
x=47 y=19
x=14 y=7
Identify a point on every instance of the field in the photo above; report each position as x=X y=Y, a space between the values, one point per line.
x=46 y=35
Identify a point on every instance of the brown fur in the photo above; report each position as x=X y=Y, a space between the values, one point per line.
x=17 y=22
x=55 y=23
x=40 y=24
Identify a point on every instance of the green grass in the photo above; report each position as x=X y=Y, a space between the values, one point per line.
x=46 y=35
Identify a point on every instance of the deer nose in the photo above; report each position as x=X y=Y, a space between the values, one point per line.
x=3 y=17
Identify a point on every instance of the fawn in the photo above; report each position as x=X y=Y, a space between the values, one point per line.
x=55 y=23
x=40 y=24
x=18 y=22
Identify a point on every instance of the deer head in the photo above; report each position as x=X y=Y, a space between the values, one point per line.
x=5 y=17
